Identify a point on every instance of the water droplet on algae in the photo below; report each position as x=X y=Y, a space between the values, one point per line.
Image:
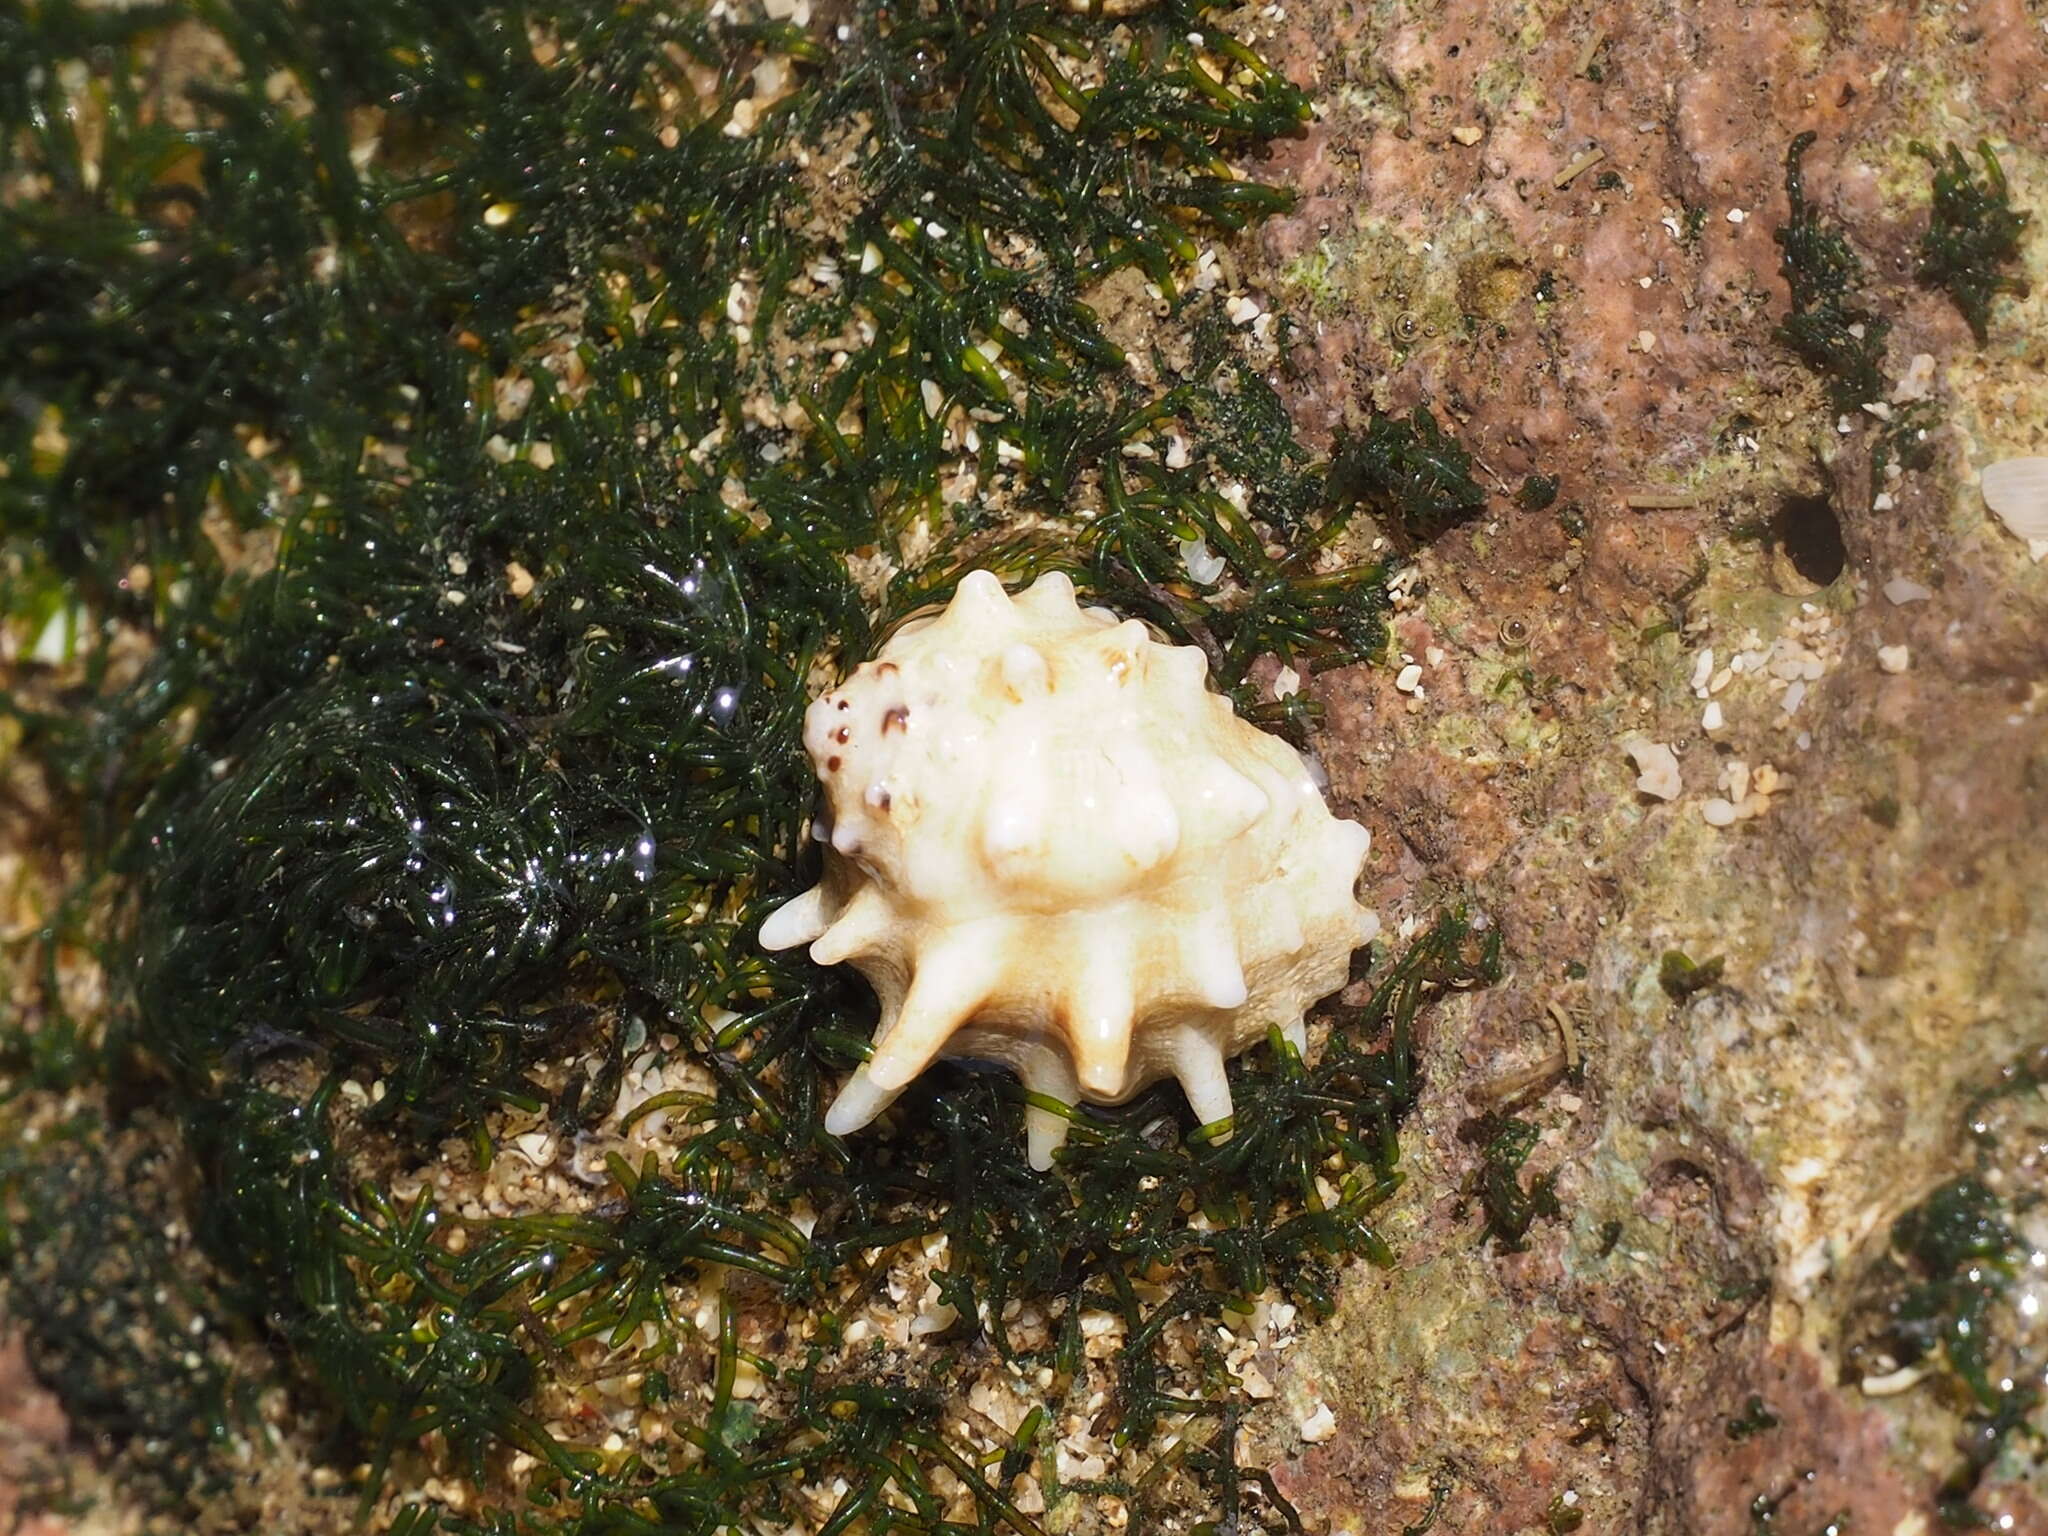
x=725 y=703
x=700 y=590
x=643 y=857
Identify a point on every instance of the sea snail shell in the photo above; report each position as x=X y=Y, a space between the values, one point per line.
x=1051 y=846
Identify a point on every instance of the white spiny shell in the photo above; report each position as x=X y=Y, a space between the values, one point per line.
x=1053 y=847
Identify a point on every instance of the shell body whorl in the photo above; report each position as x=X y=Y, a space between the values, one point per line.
x=1052 y=846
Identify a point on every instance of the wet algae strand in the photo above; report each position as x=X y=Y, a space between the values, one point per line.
x=1831 y=326
x=449 y=439
x=1973 y=232
x=1835 y=326
x=1957 y=1296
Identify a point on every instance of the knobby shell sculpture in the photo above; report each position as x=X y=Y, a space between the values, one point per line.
x=1051 y=846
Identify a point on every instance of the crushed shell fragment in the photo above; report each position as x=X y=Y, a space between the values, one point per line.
x=1051 y=846
x=1657 y=770
x=2017 y=490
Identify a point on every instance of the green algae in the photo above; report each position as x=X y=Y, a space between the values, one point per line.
x=1536 y=492
x=1410 y=472
x=1830 y=326
x=1755 y=1418
x=1835 y=328
x=1973 y=231
x=1510 y=1206
x=105 y=1307
x=1681 y=977
x=1943 y=1297
x=466 y=736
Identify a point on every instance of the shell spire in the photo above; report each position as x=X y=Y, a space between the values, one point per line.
x=1051 y=846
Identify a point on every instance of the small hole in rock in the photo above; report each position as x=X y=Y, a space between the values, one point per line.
x=1810 y=534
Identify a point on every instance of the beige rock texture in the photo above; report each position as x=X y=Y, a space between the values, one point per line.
x=1855 y=839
